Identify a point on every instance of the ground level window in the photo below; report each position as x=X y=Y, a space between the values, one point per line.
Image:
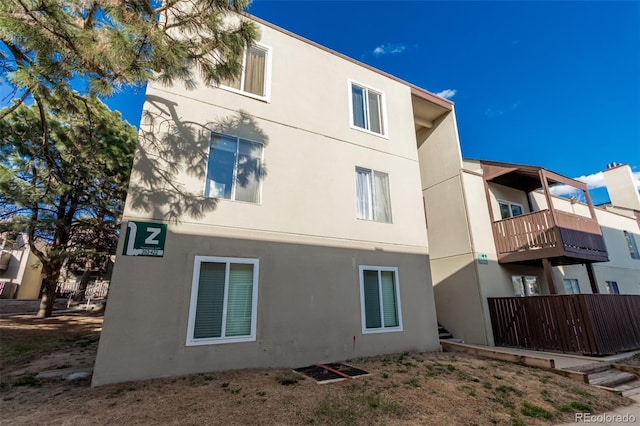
x=612 y=287
x=223 y=301
x=525 y=285
x=380 y=299
x=571 y=286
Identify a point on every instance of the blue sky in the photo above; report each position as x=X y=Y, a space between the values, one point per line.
x=552 y=84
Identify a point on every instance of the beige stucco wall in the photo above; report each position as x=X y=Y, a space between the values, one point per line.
x=504 y=193
x=311 y=150
x=308 y=308
x=304 y=231
x=24 y=270
x=621 y=187
x=539 y=202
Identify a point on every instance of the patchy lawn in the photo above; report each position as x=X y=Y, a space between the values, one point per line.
x=427 y=388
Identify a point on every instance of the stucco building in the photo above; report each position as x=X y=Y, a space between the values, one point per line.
x=277 y=220
x=20 y=269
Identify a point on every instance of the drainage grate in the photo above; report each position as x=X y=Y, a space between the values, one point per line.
x=331 y=372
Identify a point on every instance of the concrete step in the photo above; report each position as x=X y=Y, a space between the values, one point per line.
x=628 y=386
x=632 y=392
x=596 y=367
x=610 y=378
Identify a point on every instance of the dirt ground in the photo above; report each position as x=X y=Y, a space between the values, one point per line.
x=410 y=388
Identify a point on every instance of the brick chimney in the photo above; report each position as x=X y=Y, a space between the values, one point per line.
x=621 y=187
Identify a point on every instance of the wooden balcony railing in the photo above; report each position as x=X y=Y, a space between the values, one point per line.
x=588 y=324
x=536 y=235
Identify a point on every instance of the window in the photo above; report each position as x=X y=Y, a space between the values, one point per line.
x=525 y=285
x=374 y=199
x=380 y=299
x=571 y=286
x=234 y=169
x=367 y=109
x=633 y=248
x=254 y=79
x=612 y=287
x=509 y=209
x=224 y=298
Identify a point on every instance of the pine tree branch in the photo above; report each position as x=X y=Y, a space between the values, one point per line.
x=88 y=23
x=15 y=106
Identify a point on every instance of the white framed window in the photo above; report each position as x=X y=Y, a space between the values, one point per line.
x=525 y=285
x=367 y=109
x=612 y=287
x=224 y=301
x=234 y=169
x=571 y=286
x=509 y=209
x=380 y=299
x=373 y=195
x=631 y=243
x=255 y=79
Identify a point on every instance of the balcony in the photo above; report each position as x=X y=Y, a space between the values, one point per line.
x=567 y=239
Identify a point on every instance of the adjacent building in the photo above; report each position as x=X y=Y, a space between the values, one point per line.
x=20 y=269
x=497 y=233
x=276 y=220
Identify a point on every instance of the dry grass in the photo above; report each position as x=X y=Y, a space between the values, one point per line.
x=431 y=388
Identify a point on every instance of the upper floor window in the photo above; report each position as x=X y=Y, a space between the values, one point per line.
x=254 y=79
x=367 y=110
x=374 y=198
x=633 y=248
x=509 y=209
x=234 y=169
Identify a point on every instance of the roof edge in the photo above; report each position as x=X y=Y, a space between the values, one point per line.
x=415 y=90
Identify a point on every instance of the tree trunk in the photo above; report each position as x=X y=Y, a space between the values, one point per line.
x=84 y=281
x=49 y=294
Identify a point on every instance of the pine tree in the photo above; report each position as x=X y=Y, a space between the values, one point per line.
x=48 y=48
x=69 y=190
x=107 y=44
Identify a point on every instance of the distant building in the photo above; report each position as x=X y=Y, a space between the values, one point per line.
x=20 y=269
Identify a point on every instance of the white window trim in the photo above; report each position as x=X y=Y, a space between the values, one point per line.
x=372 y=198
x=363 y=318
x=194 y=300
x=383 y=103
x=510 y=203
x=235 y=170
x=267 y=76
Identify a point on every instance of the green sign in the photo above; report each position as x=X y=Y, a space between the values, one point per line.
x=145 y=239
x=482 y=259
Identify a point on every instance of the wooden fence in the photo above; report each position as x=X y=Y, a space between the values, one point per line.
x=589 y=324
